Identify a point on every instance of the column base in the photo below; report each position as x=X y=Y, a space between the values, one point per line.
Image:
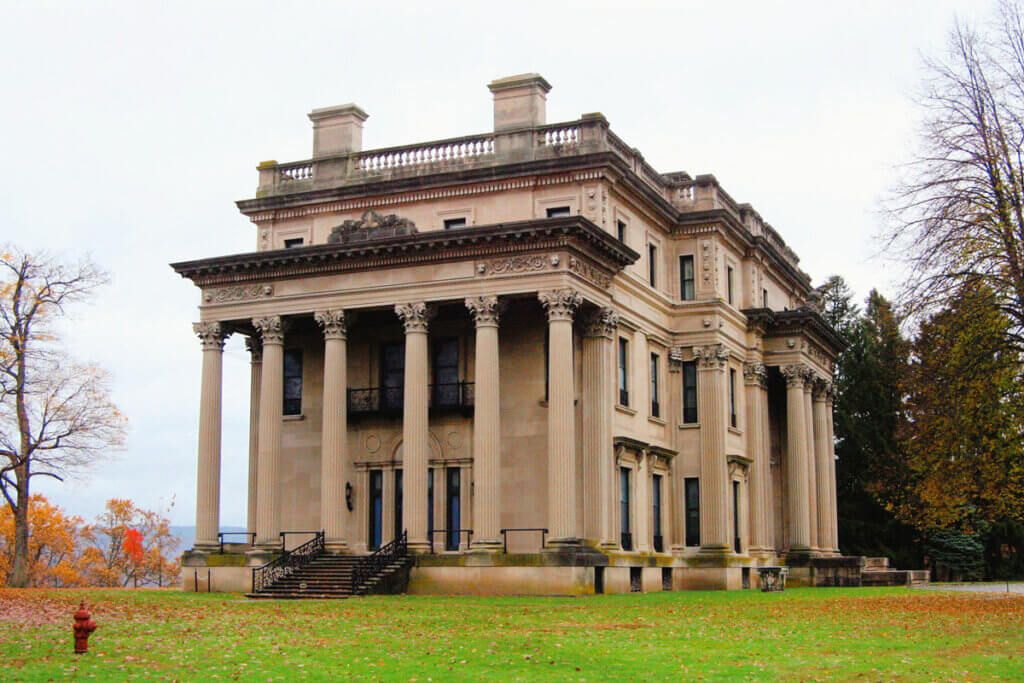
x=337 y=547
x=206 y=547
x=714 y=550
x=483 y=546
x=554 y=544
x=419 y=547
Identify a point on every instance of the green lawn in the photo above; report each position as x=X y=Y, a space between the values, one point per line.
x=871 y=633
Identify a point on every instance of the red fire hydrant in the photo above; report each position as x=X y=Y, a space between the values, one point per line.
x=84 y=625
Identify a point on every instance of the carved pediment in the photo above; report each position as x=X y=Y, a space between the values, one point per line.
x=371 y=226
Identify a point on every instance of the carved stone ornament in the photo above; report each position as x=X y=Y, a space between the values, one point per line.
x=822 y=389
x=675 y=359
x=514 y=264
x=415 y=316
x=333 y=323
x=371 y=226
x=601 y=323
x=238 y=293
x=560 y=304
x=254 y=345
x=486 y=310
x=713 y=356
x=754 y=372
x=795 y=374
x=270 y=328
x=589 y=272
x=211 y=334
x=809 y=379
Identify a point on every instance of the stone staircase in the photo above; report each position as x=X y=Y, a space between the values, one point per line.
x=330 y=576
x=877 y=572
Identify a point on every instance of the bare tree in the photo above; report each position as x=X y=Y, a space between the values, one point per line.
x=56 y=415
x=958 y=215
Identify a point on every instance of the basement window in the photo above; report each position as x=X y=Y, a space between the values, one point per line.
x=559 y=211
x=294 y=242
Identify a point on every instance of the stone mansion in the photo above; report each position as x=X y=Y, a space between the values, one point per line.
x=537 y=362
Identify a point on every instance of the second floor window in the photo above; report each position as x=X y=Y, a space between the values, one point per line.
x=392 y=375
x=686 y=283
x=732 y=398
x=292 y=382
x=728 y=283
x=446 y=372
x=450 y=223
x=293 y=243
x=623 y=372
x=690 y=392
x=558 y=211
x=764 y=298
x=620 y=227
x=652 y=264
x=655 y=398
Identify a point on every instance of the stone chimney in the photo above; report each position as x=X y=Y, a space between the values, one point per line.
x=337 y=130
x=519 y=101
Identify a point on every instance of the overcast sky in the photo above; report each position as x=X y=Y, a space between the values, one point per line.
x=128 y=130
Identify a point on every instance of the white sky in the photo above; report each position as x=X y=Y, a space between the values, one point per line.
x=128 y=130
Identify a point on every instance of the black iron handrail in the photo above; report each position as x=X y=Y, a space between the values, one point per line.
x=459 y=532
x=251 y=535
x=284 y=535
x=373 y=564
x=543 y=536
x=289 y=561
x=390 y=400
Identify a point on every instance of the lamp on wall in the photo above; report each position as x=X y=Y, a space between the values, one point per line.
x=348 y=496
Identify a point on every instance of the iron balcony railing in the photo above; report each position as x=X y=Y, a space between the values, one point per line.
x=389 y=400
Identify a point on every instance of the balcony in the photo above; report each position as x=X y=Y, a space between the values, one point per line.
x=388 y=401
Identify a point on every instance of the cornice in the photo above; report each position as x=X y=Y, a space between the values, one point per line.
x=782 y=323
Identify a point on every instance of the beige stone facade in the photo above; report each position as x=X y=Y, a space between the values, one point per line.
x=556 y=369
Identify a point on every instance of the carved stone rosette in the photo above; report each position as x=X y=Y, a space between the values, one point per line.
x=560 y=304
x=211 y=334
x=415 y=316
x=795 y=374
x=271 y=329
x=333 y=323
x=712 y=356
x=755 y=373
x=486 y=310
x=601 y=323
x=254 y=345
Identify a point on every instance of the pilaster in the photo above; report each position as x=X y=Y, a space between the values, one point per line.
x=714 y=473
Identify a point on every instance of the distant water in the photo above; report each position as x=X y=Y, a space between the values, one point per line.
x=187 y=535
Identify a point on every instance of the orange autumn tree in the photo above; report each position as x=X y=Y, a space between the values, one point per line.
x=131 y=546
x=54 y=545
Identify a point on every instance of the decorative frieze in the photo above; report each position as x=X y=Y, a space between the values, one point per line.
x=271 y=328
x=333 y=323
x=602 y=322
x=560 y=304
x=211 y=334
x=589 y=272
x=415 y=316
x=712 y=356
x=486 y=310
x=517 y=264
x=238 y=293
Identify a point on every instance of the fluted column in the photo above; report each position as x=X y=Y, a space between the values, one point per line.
x=598 y=415
x=833 y=527
x=486 y=425
x=415 y=423
x=255 y=347
x=642 y=506
x=755 y=379
x=334 y=431
x=560 y=305
x=822 y=452
x=268 y=484
x=796 y=457
x=211 y=335
x=812 y=463
x=714 y=470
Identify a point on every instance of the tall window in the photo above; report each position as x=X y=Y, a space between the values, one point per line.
x=655 y=394
x=450 y=223
x=737 y=543
x=690 y=392
x=453 y=513
x=292 y=382
x=623 y=372
x=620 y=227
x=376 y=509
x=659 y=545
x=652 y=264
x=430 y=506
x=732 y=398
x=764 y=298
x=557 y=211
x=692 y=504
x=728 y=283
x=686 y=282
x=398 y=504
x=446 y=372
x=392 y=375
x=627 y=537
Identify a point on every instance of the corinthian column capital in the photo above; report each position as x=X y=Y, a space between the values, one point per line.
x=822 y=389
x=795 y=374
x=755 y=373
x=601 y=323
x=254 y=345
x=333 y=323
x=560 y=304
x=486 y=310
x=271 y=329
x=712 y=356
x=415 y=316
x=211 y=334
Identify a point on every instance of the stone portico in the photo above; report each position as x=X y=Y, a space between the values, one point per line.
x=552 y=368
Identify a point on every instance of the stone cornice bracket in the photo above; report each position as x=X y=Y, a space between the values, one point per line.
x=333 y=323
x=795 y=374
x=254 y=345
x=712 y=356
x=271 y=329
x=822 y=389
x=211 y=334
x=486 y=310
x=415 y=316
x=755 y=373
x=602 y=322
x=560 y=304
